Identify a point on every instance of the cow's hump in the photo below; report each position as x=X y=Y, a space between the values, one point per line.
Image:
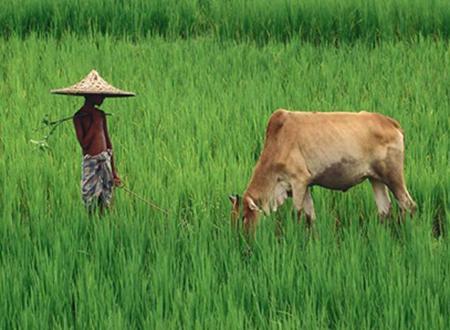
x=276 y=122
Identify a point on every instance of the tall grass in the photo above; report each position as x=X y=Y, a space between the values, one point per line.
x=189 y=138
x=315 y=21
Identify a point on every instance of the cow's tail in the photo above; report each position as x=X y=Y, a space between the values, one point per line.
x=396 y=124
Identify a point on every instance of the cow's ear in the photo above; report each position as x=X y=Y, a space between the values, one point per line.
x=234 y=199
x=252 y=205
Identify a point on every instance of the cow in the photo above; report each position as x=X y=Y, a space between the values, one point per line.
x=334 y=150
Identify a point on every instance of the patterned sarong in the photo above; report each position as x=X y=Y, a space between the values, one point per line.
x=97 y=180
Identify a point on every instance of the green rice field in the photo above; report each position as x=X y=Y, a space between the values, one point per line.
x=190 y=138
x=263 y=21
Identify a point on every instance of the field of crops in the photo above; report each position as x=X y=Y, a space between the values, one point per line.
x=260 y=20
x=189 y=139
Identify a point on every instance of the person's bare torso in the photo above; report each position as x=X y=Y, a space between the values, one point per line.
x=92 y=122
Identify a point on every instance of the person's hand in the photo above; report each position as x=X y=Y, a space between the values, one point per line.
x=117 y=181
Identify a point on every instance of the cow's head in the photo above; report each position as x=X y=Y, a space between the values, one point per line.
x=250 y=212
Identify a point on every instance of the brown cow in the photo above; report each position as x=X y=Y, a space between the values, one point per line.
x=335 y=150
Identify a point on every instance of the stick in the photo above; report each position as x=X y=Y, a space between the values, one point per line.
x=52 y=125
x=151 y=204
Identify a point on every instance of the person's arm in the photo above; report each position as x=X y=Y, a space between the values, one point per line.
x=83 y=138
x=117 y=180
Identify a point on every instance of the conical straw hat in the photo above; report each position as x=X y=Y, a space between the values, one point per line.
x=93 y=84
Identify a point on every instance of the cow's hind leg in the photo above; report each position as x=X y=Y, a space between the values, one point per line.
x=381 y=198
x=392 y=175
x=401 y=194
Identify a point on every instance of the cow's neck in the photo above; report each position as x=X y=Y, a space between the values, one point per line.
x=261 y=185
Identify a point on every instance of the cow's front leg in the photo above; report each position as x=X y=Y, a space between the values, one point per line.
x=299 y=191
x=308 y=206
x=279 y=232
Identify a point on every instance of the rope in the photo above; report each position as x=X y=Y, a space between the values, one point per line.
x=150 y=203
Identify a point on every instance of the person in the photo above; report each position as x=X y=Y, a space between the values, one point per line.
x=99 y=175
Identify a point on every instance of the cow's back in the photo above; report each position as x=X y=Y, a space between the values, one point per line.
x=331 y=144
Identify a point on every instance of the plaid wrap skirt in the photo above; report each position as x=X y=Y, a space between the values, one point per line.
x=97 y=181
